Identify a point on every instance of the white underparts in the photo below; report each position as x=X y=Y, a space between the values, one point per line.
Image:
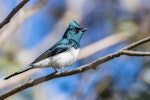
x=61 y=60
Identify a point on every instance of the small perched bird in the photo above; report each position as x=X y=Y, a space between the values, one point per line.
x=63 y=53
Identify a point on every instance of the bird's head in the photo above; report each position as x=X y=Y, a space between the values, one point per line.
x=74 y=31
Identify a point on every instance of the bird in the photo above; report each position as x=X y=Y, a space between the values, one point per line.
x=62 y=54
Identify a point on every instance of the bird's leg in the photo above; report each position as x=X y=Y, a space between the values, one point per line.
x=55 y=69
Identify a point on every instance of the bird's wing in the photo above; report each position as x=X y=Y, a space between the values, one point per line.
x=56 y=49
x=42 y=56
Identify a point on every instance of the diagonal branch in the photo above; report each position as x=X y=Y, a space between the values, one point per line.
x=13 y=12
x=135 y=44
x=80 y=69
x=77 y=70
x=5 y=34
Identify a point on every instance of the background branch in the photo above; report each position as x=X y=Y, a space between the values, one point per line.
x=18 y=20
x=77 y=70
x=13 y=12
x=105 y=43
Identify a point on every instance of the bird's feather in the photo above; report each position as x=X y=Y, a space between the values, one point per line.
x=18 y=72
x=58 y=48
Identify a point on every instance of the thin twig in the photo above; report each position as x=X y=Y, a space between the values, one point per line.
x=135 y=53
x=13 y=12
x=135 y=44
x=77 y=70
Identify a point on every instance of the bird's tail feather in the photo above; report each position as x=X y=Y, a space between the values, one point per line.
x=19 y=72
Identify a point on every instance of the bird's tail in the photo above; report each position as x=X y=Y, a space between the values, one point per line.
x=19 y=72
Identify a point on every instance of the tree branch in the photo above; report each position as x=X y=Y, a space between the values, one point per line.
x=135 y=44
x=92 y=65
x=13 y=12
x=5 y=34
x=135 y=53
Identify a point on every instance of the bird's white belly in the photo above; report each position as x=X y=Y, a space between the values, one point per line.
x=65 y=59
x=61 y=60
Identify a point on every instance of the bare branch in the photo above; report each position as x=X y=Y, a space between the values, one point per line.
x=80 y=69
x=135 y=44
x=77 y=70
x=18 y=20
x=135 y=53
x=13 y=12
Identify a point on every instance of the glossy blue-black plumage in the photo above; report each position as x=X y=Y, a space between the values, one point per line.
x=70 y=39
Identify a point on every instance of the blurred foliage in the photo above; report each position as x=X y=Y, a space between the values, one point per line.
x=124 y=78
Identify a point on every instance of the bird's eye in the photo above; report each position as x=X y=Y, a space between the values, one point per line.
x=74 y=29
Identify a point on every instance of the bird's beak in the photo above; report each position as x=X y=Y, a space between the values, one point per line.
x=83 y=29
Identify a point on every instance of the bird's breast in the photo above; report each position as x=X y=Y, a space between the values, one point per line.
x=64 y=59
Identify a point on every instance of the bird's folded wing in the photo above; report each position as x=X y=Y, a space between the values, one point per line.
x=56 y=49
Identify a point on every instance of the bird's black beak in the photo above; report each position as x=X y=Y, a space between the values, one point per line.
x=83 y=29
